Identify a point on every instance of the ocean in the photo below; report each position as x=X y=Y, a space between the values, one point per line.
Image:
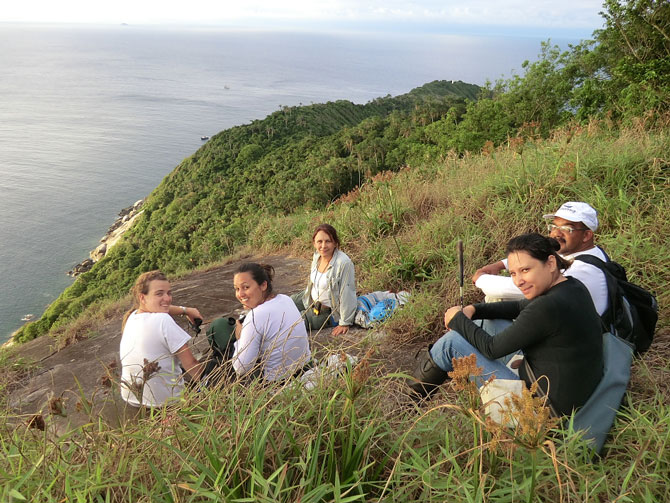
x=92 y=118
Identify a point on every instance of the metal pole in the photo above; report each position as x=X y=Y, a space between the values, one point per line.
x=460 y=269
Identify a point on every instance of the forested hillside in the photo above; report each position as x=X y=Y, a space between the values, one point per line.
x=296 y=157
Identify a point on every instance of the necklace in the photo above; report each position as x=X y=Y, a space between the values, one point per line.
x=323 y=266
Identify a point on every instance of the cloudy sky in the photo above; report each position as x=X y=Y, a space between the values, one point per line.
x=569 y=17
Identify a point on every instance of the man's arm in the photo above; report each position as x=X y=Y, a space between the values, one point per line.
x=493 y=269
x=498 y=287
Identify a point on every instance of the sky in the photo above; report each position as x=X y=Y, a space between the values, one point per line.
x=531 y=17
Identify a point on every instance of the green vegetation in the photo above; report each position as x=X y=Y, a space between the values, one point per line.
x=402 y=179
x=298 y=157
x=353 y=438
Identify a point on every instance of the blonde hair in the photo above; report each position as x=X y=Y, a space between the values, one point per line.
x=141 y=287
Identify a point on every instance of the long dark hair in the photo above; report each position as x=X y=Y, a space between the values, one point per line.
x=330 y=230
x=539 y=247
x=141 y=287
x=259 y=273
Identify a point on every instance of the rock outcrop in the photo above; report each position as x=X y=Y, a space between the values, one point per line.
x=123 y=222
x=83 y=377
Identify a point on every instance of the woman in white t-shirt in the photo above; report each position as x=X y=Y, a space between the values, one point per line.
x=330 y=296
x=153 y=346
x=272 y=339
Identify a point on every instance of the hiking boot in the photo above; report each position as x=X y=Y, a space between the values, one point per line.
x=427 y=375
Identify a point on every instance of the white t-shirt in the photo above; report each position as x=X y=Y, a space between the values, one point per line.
x=275 y=332
x=502 y=287
x=320 y=286
x=154 y=337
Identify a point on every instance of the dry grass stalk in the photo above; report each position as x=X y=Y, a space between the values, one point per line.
x=530 y=416
x=57 y=406
x=464 y=369
x=36 y=421
x=361 y=373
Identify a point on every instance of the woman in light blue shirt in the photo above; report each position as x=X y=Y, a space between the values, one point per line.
x=330 y=296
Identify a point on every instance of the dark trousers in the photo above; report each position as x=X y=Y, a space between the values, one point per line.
x=313 y=321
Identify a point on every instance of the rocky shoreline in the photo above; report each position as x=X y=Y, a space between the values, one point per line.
x=122 y=223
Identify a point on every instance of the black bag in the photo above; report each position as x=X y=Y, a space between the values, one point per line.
x=632 y=311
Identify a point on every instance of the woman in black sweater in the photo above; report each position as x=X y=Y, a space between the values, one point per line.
x=556 y=327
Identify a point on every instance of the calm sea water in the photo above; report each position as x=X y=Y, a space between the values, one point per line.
x=91 y=119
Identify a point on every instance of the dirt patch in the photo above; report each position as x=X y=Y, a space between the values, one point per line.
x=81 y=378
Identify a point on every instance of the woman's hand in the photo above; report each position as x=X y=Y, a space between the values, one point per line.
x=468 y=311
x=340 y=330
x=192 y=313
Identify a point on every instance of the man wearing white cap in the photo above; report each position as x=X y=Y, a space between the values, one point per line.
x=572 y=225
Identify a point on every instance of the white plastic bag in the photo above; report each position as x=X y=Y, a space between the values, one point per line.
x=493 y=396
x=334 y=363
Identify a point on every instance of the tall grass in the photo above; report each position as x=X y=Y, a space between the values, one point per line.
x=352 y=439
x=402 y=229
x=355 y=437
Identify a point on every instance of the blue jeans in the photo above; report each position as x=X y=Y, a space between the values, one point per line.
x=453 y=345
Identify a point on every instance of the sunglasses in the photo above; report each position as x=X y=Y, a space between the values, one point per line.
x=565 y=228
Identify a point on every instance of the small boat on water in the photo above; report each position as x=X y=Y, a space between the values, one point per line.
x=28 y=317
x=204 y=138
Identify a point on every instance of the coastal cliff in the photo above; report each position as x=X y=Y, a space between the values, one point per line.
x=123 y=222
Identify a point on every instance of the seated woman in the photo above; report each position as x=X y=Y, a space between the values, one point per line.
x=153 y=346
x=330 y=296
x=272 y=339
x=556 y=327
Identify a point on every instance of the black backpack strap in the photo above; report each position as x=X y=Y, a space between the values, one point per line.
x=612 y=288
x=607 y=257
x=593 y=260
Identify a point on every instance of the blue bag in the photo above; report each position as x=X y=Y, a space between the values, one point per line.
x=375 y=307
x=597 y=415
x=382 y=310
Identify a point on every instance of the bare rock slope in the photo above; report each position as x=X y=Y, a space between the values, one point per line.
x=72 y=385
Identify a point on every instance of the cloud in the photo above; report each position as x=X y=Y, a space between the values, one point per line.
x=568 y=13
x=534 y=13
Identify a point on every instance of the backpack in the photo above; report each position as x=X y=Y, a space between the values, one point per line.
x=632 y=311
x=220 y=335
x=381 y=311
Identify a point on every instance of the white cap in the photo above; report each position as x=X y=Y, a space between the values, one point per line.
x=577 y=212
